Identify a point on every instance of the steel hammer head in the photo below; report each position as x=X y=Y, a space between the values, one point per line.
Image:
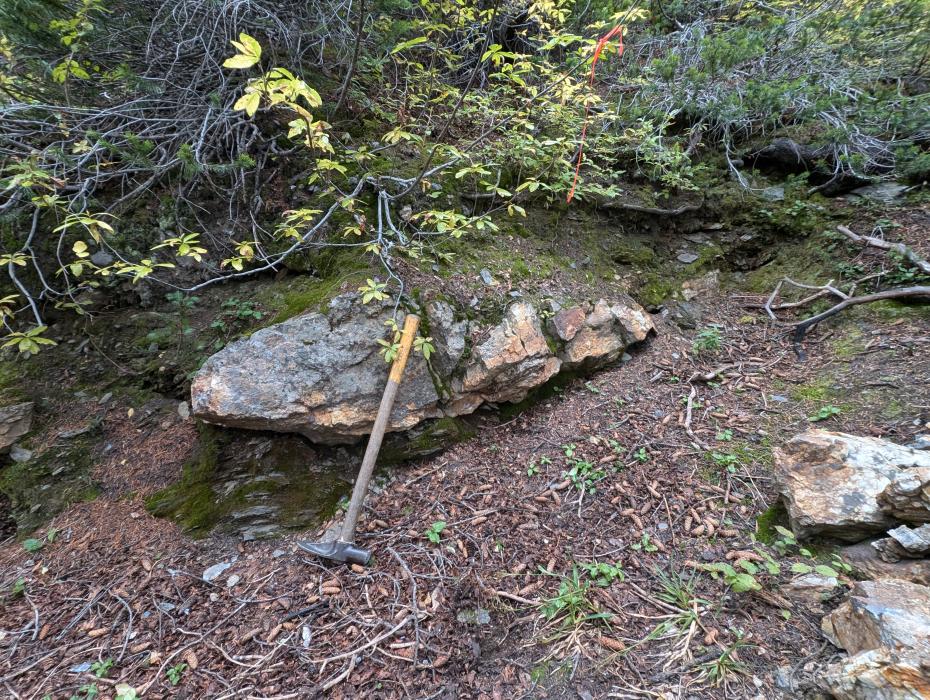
x=337 y=551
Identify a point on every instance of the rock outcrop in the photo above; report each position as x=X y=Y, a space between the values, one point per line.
x=885 y=613
x=885 y=627
x=513 y=360
x=879 y=674
x=15 y=422
x=601 y=335
x=904 y=542
x=907 y=497
x=320 y=374
x=866 y=562
x=317 y=375
x=831 y=482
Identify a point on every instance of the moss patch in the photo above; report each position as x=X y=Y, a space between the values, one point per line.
x=254 y=483
x=45 y=485
x=775 y=514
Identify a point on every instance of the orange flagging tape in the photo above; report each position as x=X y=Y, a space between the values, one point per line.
x=616 y=32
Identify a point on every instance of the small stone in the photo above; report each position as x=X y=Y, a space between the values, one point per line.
x=233 y=580
x=687 y=257
x=811 y=588
x=881 y=192
x=921 y=442
x=15 y=421
x=105 y=398
x=20 y=454
x=214 y=597
x=278 y=553
x=184 y=410
x=487 y=278
x=213 y=572
x=102 y=258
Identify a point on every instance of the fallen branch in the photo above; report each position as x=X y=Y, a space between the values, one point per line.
x=657 y=211
x=802 y=327
x=900 y=248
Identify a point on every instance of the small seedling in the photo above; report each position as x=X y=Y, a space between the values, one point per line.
x=725 y=435
x=88 y=691
x=738 y=581
x=604 y=574
x=708 y=340
x=590 y=387
x=125 y=691
x=569 y=450
x=645 y=544
x=434 y=531
x=725 y=459
x=33 y=545
x=824 y=413
x=641 y=455
x=101 y=669
x=175 y=673
x=533 y=469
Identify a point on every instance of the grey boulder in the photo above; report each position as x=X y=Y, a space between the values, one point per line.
x=317 y=375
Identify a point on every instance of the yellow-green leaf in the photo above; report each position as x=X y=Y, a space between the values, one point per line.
x=249 y=103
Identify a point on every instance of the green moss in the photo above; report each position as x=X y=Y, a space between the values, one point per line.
x=228 y=477
x=424 y=440
x=819 y=389
x=304 y=293
x=775 y=514
x=893 y=310
x=654 y=289
x=190 y=502
x=631 y=251
x=849 y=344
x=45 y=485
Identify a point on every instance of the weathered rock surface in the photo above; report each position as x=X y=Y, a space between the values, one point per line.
x=880 y=674
x=885 y=626
x=600 y=336
x=866 y=562
x=830 y=482
x=15 y=422
x=886 y=613
x=811 y=588
x=513 y=360
x=907 y=497
x=321 y=375
x=904 y=542
x=317 y=375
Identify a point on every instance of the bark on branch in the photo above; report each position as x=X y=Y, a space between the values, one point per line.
x=899 y=248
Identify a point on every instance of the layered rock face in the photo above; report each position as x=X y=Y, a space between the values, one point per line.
x=848 y=487
x=321 y=375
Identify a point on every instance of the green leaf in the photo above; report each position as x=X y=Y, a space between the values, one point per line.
x=33 y=545
x=825 y=570
x=799 y=568
x=743 y=582
x=408 y=44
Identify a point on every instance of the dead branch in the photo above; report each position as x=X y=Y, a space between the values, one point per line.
x=900 y=248
x=922 y=292
x=657 y=211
